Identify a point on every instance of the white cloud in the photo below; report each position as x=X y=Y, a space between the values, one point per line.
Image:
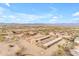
x=53 y=9
x=55 y=17
x=11 y=16
x=75 y=14
x=7 y=4
x=75 y=19
x=7 y=15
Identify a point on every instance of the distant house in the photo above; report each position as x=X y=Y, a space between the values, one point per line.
x=75 y=50
x=76 y=40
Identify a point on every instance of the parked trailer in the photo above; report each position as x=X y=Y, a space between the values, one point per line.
x=43 y=38
x=50 y=43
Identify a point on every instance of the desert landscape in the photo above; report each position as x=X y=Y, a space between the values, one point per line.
x=38 y=40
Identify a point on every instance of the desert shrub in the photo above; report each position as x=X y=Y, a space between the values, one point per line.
x=1 y=38
x=15 y=38
x=60 y=51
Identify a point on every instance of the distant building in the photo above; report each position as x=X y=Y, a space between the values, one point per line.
x=75 y=50
x=76 y=40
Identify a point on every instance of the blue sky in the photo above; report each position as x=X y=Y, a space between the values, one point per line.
x=39 y=13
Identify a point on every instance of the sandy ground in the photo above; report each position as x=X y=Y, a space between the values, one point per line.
x=31 y=43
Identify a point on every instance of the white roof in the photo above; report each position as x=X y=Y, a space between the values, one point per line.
x=77 y=40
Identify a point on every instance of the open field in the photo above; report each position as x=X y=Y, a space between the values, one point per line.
x=41 y=40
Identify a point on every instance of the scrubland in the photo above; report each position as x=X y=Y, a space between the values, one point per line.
x=37 y=40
